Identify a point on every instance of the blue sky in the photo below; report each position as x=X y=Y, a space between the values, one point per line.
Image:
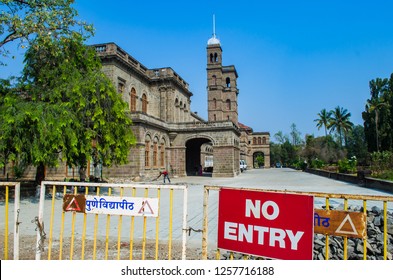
x=294 y=58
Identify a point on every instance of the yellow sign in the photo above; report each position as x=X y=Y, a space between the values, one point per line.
x=342 y=223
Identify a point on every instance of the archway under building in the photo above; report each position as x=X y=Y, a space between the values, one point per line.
x=196 y=152
x=258 y=160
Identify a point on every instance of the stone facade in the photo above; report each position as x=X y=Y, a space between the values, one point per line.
x=169 y=135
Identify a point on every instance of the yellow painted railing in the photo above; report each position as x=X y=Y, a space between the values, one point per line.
x=74 y=235
x=7 y=188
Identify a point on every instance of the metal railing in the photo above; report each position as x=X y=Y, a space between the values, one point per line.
x=6 y=187
x=75 y=235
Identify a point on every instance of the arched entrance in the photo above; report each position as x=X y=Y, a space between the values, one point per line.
x=193 y=155
x=258 y=160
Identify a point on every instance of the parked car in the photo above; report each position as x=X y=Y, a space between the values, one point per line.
x=243 y=165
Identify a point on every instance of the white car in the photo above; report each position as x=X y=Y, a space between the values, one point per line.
x=243 y=165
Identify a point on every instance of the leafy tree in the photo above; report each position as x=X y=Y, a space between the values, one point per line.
x=322 y=148
x=25 y=20
x=340 y=122
x=259 y=160
x=324 y=120
x=357 y=145
x=288 y=153
x=284 y=153
x=280 y=137
x=375 y=105
x=295 y=134
x=378 y=115
x=64 y=77
x=275 y=153
x=33 y=132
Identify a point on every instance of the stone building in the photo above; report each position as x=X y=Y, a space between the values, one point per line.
x=169 y=135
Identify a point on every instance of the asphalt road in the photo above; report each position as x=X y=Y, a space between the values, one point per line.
x=281 y=179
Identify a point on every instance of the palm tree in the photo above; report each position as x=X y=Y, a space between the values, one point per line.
x=374 y=105
x=340 y=122
x=324 y=120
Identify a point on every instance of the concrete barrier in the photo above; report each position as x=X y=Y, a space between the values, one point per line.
x=360 y=179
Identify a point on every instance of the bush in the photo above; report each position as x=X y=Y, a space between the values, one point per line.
x=381 y=161
x=347 y=165
x=317 y=163
x=386 y=175
x=299 y=164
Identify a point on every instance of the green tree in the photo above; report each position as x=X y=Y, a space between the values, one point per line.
x=357 y=145
x=375 y=105
x=66 y=75
x=288 y=153
x=322 y=148
x=259 y=160
x=280 y=137
x=340 y=122
x=378 y=123
x=389 y=120
x=26 y=20
x=33 y=132
x=324 y=120
x=295 y=134
x=275 y=153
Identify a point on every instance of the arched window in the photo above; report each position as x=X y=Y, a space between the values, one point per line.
x=155 y=154
x=162 y=155
x=259 y=141
x=214 y=117
x=215 y=57
x=264 y=140
x=144 y=103
x=228 y=103
x=228 y=82
x=147 y=153
x=133 y=100
x=214 y=103
x=211 y=57
x=214 y=80
x=254 y=141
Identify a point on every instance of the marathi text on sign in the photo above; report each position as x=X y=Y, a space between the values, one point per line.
x=111 y=205
x=129 y=206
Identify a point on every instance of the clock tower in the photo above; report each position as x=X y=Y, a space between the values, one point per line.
x=221 y=84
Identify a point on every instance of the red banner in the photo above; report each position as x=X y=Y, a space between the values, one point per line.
x=266 y=224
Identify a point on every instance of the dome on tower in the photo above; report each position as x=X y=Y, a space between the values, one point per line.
x=213 y=40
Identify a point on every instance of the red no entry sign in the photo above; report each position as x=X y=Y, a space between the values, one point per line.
x=273 y=225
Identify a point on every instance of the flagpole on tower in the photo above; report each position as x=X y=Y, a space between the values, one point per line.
x=214 y=25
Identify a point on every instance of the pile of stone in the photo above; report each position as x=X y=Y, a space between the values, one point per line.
x=355 y=248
